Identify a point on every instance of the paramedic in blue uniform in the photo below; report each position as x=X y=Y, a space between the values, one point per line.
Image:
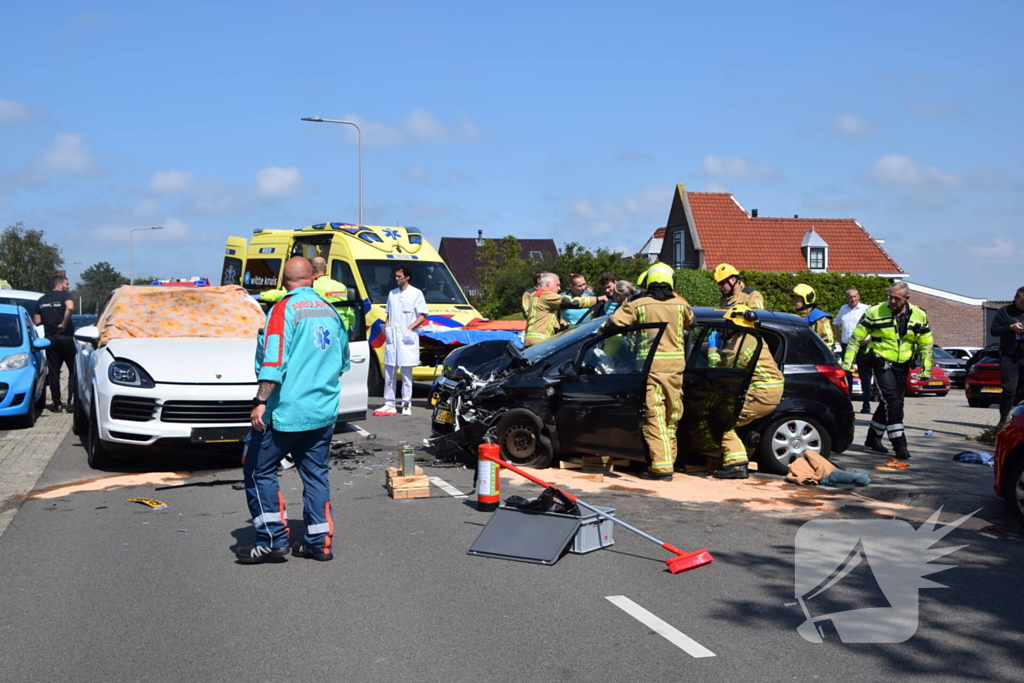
x=300 y=356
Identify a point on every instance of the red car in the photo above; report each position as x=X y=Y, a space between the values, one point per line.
x=939 y=383
x=983 y=385
x=1009 y=464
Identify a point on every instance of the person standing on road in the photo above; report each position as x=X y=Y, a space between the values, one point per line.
x=845 y=323
x=330 y=289
x=895 y=334
x=664 y=402
x=407 y=310
x=300 y=357
x=805 y=302
x=542 y=321
x=53 y=311
x=1008 y=325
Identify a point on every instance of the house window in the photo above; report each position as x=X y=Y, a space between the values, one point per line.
x=677 y=249
x=536 y=256
x=816 y=258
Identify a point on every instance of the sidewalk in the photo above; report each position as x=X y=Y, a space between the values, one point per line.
x=24 y=454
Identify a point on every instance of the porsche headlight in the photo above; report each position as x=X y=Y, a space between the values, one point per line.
x=129 y=375
x=15 y=361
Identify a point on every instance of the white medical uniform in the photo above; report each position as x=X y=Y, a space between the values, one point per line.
x=402 y=348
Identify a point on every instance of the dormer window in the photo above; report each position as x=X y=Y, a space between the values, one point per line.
x=815 y=251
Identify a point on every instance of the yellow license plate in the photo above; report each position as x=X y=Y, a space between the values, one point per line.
x=991 y=390
x=445 y=416
x=936 y=384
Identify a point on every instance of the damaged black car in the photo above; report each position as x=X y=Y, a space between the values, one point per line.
x=582 y=393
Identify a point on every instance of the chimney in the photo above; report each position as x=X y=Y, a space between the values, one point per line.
x=479 y=238
x=796 y=216
x=753 y=213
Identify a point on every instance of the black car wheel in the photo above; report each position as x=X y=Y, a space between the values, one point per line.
x=28 y=420
x=1013 y=489
x=521 y=439
x=79 y=422
x=97 y=455
x=787 y=438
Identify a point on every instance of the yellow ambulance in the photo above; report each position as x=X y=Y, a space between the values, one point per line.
x=364 y=257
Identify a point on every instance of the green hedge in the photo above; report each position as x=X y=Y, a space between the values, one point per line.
x=830 y=287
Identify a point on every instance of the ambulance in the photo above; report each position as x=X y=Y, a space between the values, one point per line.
x=365 y=258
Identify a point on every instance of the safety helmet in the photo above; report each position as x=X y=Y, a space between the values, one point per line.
x=657 y=273
x=723 y=271
x=741 y=314
x=805 y=292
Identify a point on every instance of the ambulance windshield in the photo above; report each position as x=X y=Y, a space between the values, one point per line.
x=432 y=277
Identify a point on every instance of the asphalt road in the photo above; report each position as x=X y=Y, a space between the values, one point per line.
x=96 y=588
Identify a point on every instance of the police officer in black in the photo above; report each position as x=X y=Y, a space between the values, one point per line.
x=53 y=312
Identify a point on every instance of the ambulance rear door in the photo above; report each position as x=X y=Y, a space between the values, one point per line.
x=234 y=261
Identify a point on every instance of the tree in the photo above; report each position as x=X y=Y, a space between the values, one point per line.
x=26 y=261
x=496 y=258
x=97 y=281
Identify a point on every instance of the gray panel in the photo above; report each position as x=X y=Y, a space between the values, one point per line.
x=526 y=536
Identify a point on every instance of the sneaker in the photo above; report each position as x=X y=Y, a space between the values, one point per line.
x=407 y=410
x=732 y=472
x=303 y=550
x=656 y=476
x=256 y=554
x=866 y=410
x=385 y=411
x=287 y=463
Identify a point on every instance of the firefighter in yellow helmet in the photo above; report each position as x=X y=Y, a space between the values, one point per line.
x=728 y=459
x=664 y=404
x=733 y=290
x=805 y=301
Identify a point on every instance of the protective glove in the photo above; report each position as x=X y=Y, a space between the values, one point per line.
x=926 y=373
x=846 y=365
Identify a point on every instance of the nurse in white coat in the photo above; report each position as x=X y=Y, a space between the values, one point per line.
x=406 y=310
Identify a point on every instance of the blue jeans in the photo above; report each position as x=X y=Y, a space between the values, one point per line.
x=261 y=457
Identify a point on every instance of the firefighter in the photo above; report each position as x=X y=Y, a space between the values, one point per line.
x=728 y=459
x=663 y=270
x=664 y=405
x=330 y=289
x=895 y=334
x=733 y=290
x=537 y=275
x=545 y=305
x=805 y=301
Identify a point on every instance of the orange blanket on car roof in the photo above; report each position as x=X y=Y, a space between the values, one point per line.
x=225 y=312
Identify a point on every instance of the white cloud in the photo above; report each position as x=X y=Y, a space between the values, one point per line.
x=850 y=126
x=68 y=154
x=896 y=170
x=278 y=182
x=12 y=112
x=712 y=186
x=1000 y=252
x=146 y=209
x=171 y=182
x=416 y=174
x=419 y=125
x=641 y=213
x=738 y=167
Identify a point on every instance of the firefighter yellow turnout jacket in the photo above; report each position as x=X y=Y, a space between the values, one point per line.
x=542 y=315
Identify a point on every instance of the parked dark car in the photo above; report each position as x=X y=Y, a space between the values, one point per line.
x=1009 y=464
x=984 y=385
x=956 y=368
x=571 y=395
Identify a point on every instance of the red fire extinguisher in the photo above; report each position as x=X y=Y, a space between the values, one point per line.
x=488 y=483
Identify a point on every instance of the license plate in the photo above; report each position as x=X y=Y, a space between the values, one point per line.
x=218 y=434
x=991 y=390
x=444 y=416
x=936 y=384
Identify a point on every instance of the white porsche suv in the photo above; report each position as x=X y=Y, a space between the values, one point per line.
x=148 y=377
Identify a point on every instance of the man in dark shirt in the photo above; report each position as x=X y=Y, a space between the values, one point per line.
x=1008 y=325
x=53 y=312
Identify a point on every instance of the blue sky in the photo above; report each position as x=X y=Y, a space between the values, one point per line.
x=564 y=120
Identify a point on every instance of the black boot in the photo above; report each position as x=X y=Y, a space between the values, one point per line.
x=874 y=442
x=656 y=476
x=899 y=445
x=732 y=472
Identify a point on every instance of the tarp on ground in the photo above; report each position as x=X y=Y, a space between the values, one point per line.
x=466 y=336
x=220 y=312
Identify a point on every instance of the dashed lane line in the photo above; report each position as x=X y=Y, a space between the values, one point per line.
x=661 y=627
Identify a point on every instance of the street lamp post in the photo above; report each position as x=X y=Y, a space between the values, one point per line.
x=131 y=268
x=359 y=132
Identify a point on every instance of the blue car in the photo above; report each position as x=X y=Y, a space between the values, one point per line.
x=22 y=366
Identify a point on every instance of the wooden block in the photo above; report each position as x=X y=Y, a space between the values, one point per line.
x=752 y=466
x=566 y=465
x=590 y=477
x=594 y=464
x=620 y=463
x=402 y=494
x=399 y=487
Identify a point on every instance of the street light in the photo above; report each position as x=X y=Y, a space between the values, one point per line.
x=359 y=131
x=131 y=269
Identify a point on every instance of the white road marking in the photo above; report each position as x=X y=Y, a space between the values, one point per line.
x=356 y=428
x=447 y=488
x=662 y=628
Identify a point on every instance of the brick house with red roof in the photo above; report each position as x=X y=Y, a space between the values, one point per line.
x=708 y=228
x=460 y=253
